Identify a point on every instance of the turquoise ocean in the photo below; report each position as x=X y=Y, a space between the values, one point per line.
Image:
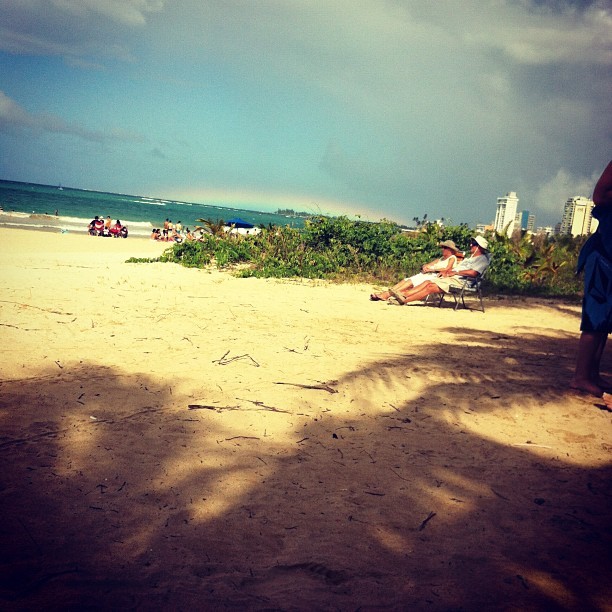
x=65 y=209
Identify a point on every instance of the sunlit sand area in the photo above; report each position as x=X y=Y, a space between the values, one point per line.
x=175 y=438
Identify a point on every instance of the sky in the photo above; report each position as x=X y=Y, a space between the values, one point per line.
x=376 y=109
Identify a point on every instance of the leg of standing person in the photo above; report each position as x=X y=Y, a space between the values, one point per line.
x=590 y=349
x=597 y=362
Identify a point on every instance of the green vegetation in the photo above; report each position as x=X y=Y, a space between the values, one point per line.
x=381 y=253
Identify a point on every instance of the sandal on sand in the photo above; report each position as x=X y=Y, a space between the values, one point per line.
x=374 y=298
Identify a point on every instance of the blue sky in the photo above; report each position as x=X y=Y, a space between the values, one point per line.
x=379 y=108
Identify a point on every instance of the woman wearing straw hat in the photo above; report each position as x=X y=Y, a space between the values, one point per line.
x=450 y=256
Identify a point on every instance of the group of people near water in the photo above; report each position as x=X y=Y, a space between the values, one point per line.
x=451 y=270
x=99 y=226
x=172 y=232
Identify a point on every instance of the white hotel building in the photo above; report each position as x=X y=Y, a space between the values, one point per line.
x=505 y=215
x=578 y=217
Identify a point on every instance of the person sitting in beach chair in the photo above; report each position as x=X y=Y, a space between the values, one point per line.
x=450 y=258
x=470 y=268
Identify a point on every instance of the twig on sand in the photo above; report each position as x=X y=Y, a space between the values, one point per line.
x=533 y=445
x=321 y=387
x=499 y=494
x=263 y=406
x=401 y=477
x=429 y=517
x=32 y=438
x=259 y=404
x=59 y=312
x=215 y=408
x=224 y=361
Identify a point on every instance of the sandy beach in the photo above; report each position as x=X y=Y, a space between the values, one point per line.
x=181 y=439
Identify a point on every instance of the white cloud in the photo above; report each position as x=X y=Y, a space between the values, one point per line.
x=130 y=12
x=76 y=30
x=14 y=118
x=552 y=195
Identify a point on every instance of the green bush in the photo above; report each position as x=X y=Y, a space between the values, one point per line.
x=381 y=253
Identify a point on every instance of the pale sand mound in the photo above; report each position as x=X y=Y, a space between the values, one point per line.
x=181 y=439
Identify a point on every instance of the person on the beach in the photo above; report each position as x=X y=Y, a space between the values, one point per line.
x=96 y=227
x=91 y=228
x=596 y=260
x=430 y=270
x=115 y=230
x=473 y=266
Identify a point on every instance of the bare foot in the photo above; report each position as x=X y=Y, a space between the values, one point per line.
x=607 y=398
x=398 y=296
x=587 y=386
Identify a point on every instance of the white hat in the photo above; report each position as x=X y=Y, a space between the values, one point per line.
x=482 y=242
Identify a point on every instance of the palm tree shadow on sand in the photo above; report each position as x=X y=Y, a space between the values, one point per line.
x=147 y=504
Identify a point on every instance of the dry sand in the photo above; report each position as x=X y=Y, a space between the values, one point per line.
x=182 y=439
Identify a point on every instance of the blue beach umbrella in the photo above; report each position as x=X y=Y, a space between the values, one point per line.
x=238 y=222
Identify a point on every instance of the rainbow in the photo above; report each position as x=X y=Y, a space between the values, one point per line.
x=267 y=201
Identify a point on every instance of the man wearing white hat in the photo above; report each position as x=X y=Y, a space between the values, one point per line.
x=471 y=267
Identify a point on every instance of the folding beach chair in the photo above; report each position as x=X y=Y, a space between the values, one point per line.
x=471 y=287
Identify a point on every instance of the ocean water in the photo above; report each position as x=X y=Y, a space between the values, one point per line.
x=56 y=208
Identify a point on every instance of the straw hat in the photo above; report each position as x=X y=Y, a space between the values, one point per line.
x=449 y=244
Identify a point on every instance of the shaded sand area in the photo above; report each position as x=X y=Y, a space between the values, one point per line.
x=181 y=439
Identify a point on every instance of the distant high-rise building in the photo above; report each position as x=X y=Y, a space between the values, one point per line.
x=506 y=213
x=524 y=220
x=531 y=223
x=578 y=217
